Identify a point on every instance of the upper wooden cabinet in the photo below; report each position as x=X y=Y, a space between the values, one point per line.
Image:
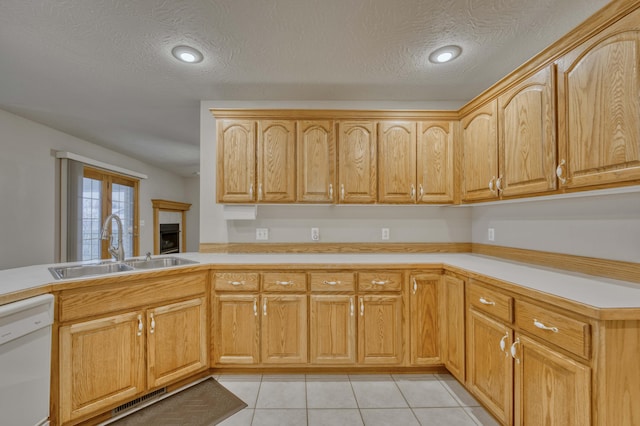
x=357 y=168
x=480 y=152
x=434 y=162
x=599 y=106
x=316 y=161
x=527 y=142
x=236 y=169
x=276 y=161
x=397 y=161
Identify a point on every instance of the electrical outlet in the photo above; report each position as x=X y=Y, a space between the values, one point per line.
x=385 y=233
x=491 y=234
x=315 y=234
x=262 y=233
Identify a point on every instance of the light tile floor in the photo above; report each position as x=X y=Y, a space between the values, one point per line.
x=345 y=400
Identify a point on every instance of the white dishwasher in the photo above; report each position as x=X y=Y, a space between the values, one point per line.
x=25 y=361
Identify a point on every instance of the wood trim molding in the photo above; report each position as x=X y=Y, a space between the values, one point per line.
x=615 y=269
x=332 y=114
x=168 y=206
x=335 y=247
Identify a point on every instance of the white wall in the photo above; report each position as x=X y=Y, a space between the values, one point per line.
x=292 y=223
x=29 y=190
x=604 y=226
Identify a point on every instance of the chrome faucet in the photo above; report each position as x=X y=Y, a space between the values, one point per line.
x=116 y=252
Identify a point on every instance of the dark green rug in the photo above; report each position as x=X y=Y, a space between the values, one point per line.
x=205 y=404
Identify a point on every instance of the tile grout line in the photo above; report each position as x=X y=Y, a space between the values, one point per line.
x=405 y=399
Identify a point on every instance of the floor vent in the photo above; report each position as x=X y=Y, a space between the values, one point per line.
x=131 y=404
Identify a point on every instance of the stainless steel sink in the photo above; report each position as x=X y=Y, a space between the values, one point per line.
x=160 y=262
x=78 y=271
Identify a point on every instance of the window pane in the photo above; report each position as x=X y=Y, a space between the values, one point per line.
x=122 y=203
x=91 y=208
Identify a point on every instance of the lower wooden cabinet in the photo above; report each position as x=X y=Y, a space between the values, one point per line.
x=549 y=388
x=105 y=361
x=380 y=329
x=236 y=329
x=453 y=325
x=423 y=319
x=284 y=329
x=332 y=329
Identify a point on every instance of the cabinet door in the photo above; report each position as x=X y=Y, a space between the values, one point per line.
x=276 y=161
x=332 y=329
x=550 y=388
x=176 y=341
x=425 y=342
x=527 y=136
x=236 y=140
x=599 y=106
x=316 y=161
x=380 y=329
x=284 y=329
x=454 y=326
x=397 y=161
x=357 y=171
x=101 y=364
x=480 y=151
x=434 y=166
x=236 y=329
x=489 y=366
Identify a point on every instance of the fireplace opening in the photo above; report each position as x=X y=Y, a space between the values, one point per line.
x=169 y=238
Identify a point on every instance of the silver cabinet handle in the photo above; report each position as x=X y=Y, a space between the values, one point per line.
x=251 y=192
x=421 y=191
x=236 y=283
x=264 y=307
x=560 y=172
x=415 y=285
x=153 y=324
x=503 y=343
x=361 y=307
x=285 y=282
x=255 y=306
x=487 y=302
x=140 y=326
x=413 y=192
x=342 y=192
x=383 y=282
x=499 y=184
x=544 y=327
x=351 y=305
x=514 y=352
x=331 y=191
x=492 y=185
x=260 y=191
x=331 y=282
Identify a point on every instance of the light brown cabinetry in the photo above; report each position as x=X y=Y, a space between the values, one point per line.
x=599 y=106
x=527 y=137
x=423 y=319
x=397 y=161
x=434 y=162
x=276 y=161
x=284 y=329
x=316 y=161
x=357 y=162
x=453 y=325
x=118 y=341
x=236 y=329
x=479 y=131
x=332 y=329
x=236 y=144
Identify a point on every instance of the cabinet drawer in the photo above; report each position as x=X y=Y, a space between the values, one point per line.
x=284 y=281
x=491 y=302
x=236 y=281
x=332 y=281
x=566 y=332
x=379 y=281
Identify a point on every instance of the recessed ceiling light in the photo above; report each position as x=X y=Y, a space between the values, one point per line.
x=445 y=54
x=187 y=54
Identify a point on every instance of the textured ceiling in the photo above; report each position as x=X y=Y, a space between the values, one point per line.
x=102 y=70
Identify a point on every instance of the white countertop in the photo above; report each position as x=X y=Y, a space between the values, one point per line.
x=593 y=291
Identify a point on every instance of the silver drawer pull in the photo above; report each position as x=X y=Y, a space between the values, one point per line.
x=541 y=326
x=331 y=282
x=487 y=302
x=235 y=282
x=374 y=282
x=285 y=282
